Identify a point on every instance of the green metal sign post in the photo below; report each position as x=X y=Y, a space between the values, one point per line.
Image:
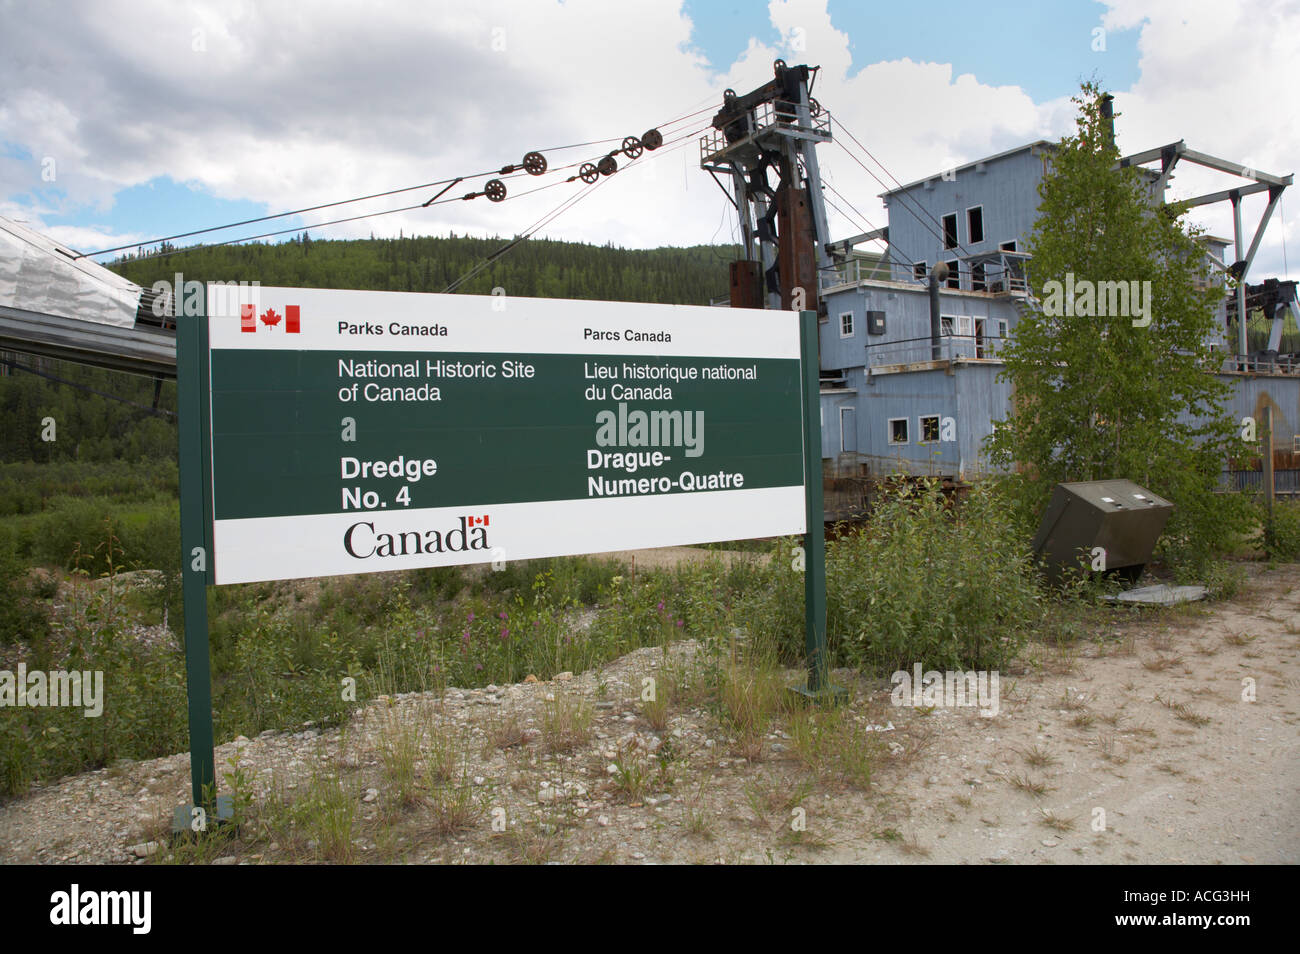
x=205 y=809
x=819 y=686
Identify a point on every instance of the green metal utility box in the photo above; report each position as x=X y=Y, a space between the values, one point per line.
x=1118 y=516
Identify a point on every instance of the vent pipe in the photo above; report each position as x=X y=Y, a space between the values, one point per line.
x=1108 y=120
x=938 y=275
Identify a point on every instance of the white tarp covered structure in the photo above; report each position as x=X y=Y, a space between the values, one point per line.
x=39 y=275
x=54 y=304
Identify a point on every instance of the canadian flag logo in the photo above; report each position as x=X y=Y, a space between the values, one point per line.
x=477 y=521
x=248 y=319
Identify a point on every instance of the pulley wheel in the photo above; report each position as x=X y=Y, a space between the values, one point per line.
x=534 y=163
x=652 y=139
x=588 y=173
x=607 y=166
x=632 y=147
x=495 y=190
x=814 y=107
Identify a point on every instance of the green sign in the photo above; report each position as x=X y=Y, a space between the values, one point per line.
x=353 y=432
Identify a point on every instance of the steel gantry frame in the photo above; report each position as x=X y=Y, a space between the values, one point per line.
x=1169 y=157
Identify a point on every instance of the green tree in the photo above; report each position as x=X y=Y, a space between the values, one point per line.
x=1129 y=395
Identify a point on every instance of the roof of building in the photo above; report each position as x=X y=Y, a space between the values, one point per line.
x=1036 y=144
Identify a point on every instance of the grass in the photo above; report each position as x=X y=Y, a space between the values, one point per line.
x=1037 y=757
x=400 y=747
x=662 y=691
x=749 y=697
x=1183 y=712
x=566 y=723
x=1050 y=819
x=633 y=772
x=453 y=806
x=835 y=746
x=1028 y=785
x=1083 y=720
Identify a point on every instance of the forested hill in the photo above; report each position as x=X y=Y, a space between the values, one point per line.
x=93 y=427
x=537 y=268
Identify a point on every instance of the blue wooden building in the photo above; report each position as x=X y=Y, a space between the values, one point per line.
x=895 y=400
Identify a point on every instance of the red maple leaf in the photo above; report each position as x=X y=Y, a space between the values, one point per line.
x=270 y=318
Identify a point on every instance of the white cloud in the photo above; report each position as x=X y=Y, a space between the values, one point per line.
x=291 y=106
x=1219 y=77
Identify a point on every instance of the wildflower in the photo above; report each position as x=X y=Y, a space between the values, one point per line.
x=660 y=607
x=478 y=665
x=471 y=617
x=681 y=622
x=505 y=631
x=502 y=614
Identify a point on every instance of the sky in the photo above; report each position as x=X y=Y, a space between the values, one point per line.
x=122 y=122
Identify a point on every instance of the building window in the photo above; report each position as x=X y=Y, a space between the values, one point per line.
x=950 y=230
x=846 y=325
x=975 y=224
x=954 y=274
x=898 y=430
x=929 y=428
x=977 y=282
x=1002 y=328
x=918 y=271
x=1008 y=246
x=946 y=323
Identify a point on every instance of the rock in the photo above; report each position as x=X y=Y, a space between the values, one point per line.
x=371 y=795
x=530 y=678
x=479 y=780
x=145 y=849
x=603 y=821
x=226 y=860
x=563 y=676
x=611 y=769
x=549 y=796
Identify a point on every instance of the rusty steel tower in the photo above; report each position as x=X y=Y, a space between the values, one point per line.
x=765 y=141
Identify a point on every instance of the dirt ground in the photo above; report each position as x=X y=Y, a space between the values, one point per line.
x=1141 y=746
